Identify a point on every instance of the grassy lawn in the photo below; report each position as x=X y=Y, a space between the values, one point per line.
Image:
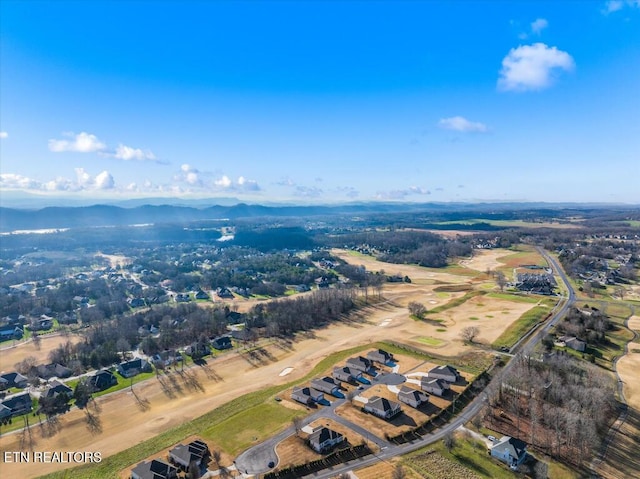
x=518 y=298
x=124 y=383
x=250 y=427
x=430 y=341
x=454 y=303
x=520 y=327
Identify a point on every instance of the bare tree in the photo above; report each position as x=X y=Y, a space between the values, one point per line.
x=501 y=280
x=619 y=292
x=469 y=334
x=398 y=472
x=37 y=342
x=297 y=424
x=540 y=470
x=417 y=309
x=449 y=441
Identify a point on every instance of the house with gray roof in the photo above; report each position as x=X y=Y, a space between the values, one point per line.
x=380 y=356
x=155 y=469
x=323 y=439
x=412 y=397
x=19 y=404
x=134 y=367
x=509 y=450
x=193 y=453
x=327 y=385
x=57 y=370
x=359 y=363
x=306 y=395
x=446 y=372
x=56 y=388
x=15 y=380
x=346 y=374
x=438 y=387
x=382 y=407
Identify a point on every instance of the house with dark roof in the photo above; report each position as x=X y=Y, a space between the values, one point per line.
x=183 y=456
x=57 y=370
x=18 y=404
x=438 y=387
x=306 y=395
x=323 y=439
x=201 y=295
x=134 y=367
x=510 y=451
x=446 y=372
x=573 y=343
x=56 y=388
x=412 y=397
x=10 y=331
x=15 y=380
x=382 y=407
x=346 y=374
x=155 y=469
x=327 y=385
x=167 y=357
x=222 y=342
x=102 y=380
x=5 y=414
x=359 y=364
x=380 y=356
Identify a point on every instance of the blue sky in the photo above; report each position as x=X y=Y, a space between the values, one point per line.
x=321 y=102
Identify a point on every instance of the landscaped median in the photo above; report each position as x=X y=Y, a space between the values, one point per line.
x=523 y=324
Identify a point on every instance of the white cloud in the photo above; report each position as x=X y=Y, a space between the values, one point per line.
x=83 y=182
x=532 y=67
x=459 y=123
x=81 y=143
x=401 y=194
x=104 y=181
x=128 y=153
x=4 y=134
x=616 y=5
x=223 y=182
x=308 y=191
x=248 y=185
x=538 y=25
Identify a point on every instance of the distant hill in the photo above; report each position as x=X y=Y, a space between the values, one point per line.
x=12 y=219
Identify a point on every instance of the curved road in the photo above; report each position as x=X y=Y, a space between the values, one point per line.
x=256 y=459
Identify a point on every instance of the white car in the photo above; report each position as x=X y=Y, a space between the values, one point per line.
x=491 y=438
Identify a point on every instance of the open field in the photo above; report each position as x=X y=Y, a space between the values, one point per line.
x=126 y=421
x=12 y=354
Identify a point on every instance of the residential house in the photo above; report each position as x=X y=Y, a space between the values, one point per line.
x=155 y=469
x=382 y=407
x=233 y=317
x=15 y=380
x=573 y=343
x=102 y=380
x=446 y=372
x=4 y=384
x=183 y=298
x=323 y=439
x=380 y=356
x=10 y=331
x=134 y=367
x=19 y=404
x=412 y=397
x=197 y=350
x=346 y=374
x=136 y=302
x=510 y=451
x=222 y=342
x=327 y=385
x=167 y=357
x=438 y=387
x=306 y=395
x=5 y=414
x=56 y=388
x=183 y=456
x=224 y=293
x=57 y=370
x=359 y=364
x=201 y=295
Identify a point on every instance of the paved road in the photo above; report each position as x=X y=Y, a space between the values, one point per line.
x=256 y=459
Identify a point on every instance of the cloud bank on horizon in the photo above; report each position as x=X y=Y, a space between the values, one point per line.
x=522 y=106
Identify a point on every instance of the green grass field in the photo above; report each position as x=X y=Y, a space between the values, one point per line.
x=455 y=302
x=252 y=425
x=429 y=341
x=520 y=327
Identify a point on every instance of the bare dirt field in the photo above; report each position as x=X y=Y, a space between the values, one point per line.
x=10 y=355
x=485 y=259
x=125 y=421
